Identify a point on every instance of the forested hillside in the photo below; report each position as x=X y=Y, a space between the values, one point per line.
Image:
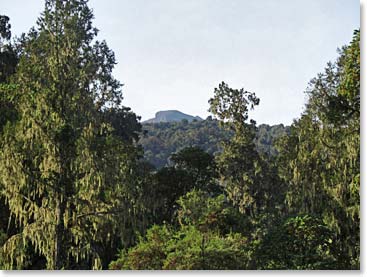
x=77 y=193
x=161 y=140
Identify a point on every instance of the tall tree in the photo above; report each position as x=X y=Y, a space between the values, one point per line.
x=65 y=174
x=8 y=62
x=242 y=171
x=320 y=159
x=8 y=56
x=8 y=114
x=200 y=166
x=238 y=162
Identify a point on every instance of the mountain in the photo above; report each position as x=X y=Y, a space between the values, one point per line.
x=171 y=116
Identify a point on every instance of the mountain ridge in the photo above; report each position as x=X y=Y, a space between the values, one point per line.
x=171 y=116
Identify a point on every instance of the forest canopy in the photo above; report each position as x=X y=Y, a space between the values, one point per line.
x=84 y=185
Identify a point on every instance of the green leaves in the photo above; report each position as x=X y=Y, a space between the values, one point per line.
x=244 y=174
x=320 y=158
x=208 y=213
x=68 y=177
x=185 y=249
x=231 y=104
x=299 y=242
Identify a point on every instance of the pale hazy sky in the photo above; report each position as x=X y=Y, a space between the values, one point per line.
x=171 y=54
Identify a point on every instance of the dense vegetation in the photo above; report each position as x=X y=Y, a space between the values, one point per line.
x=162 y=139
x=77 y=193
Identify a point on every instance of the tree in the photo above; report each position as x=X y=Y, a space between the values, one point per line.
x=237 y=163
x=190 y=249
x=125 y=123
x=8 y=56
x=163 y=190
x=199 y=165
x=302 y=165
x=148 y=254
x=191 y=168
x=320 y=158
x=5 y=26
x=66 y=175
x=207 y=213
x=245 y=176
x=8 y=62
x=298 y=242
x=334 y=95
x=203 y=240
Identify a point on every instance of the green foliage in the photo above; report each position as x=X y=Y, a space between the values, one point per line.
x=238 y=162
x=148 y=254
x=5 y=26
x=208 y=237
x=3 y=238
x=67 y=177
x=8 y=62
x=74 y=187
x=350 y=64
x=266 y=137
x=192 y=168
x=163 y=190
x=199 y=165
x=198 y=208
x=185 y=249
x=248 y=180
x=191 y=249
x=232 y=106
x=8 y=100
x=8 y=55
x=300 y=242
x=320 y=159
x=124 y=123
x=161 y=140
x=8 y=115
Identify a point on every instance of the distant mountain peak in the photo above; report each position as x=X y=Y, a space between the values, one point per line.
x=171 y=116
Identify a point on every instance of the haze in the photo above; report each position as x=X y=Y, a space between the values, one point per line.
x=171 y=54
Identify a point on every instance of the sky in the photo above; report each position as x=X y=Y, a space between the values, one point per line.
x=172 y=54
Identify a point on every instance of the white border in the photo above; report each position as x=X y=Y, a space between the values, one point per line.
x=264 y=273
